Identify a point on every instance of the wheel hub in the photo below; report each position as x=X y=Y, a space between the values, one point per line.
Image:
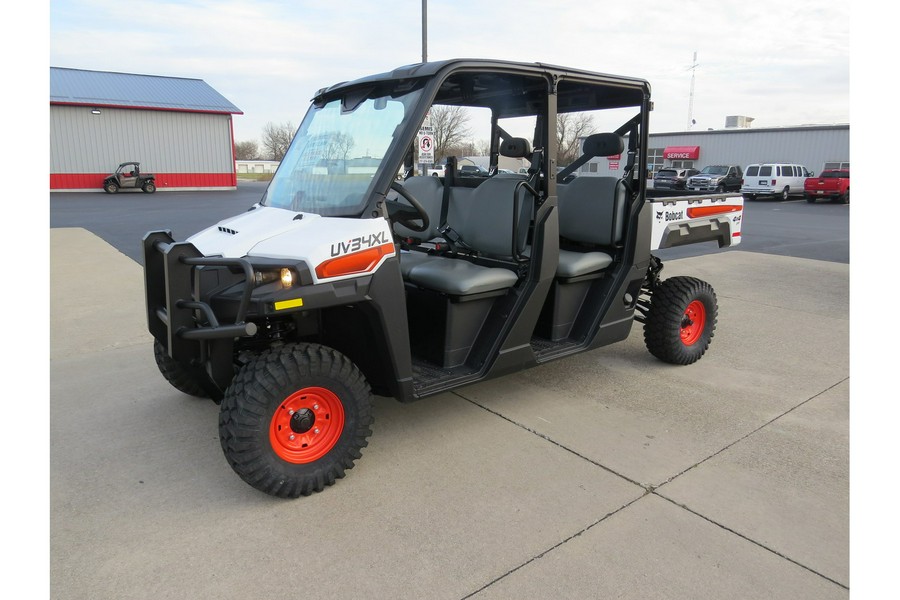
x=306 y=425
x=693 y=322
x=302 y=420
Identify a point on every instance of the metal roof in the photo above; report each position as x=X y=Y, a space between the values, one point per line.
x=127 y=90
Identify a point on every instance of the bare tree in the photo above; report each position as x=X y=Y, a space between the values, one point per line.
x=246 y=150
x=276 y=139
x=339 y=145
x=570 y=127
x=451 y=128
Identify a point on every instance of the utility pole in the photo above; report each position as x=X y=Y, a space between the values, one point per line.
x=424 y=31
x=693 y=70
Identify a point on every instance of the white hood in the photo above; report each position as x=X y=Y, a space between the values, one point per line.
x=278 y=233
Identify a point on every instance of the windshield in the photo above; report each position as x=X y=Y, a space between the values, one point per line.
x=717 y=170
x=337 y=150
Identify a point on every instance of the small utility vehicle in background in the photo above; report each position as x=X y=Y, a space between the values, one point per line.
x=129 y=177
x=344 y=281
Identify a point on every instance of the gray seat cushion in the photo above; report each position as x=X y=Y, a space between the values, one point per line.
x=408 y=260
x=574 y=264
x=459 y=277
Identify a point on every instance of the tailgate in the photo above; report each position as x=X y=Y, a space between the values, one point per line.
x=694 y=219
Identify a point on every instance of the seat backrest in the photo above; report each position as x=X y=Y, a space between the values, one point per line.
x=429 y=192
x=484 y=218
x=592 y=210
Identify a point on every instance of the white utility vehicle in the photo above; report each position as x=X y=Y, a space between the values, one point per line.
x=344 y=281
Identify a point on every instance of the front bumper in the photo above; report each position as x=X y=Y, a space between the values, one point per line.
x=703 y=185
x=186 y=326
x=758 y=191
x=204 y=309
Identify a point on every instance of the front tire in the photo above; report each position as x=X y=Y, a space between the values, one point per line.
x=110 y=187
x=175 y=374
x=681 y=320
x=295 y=418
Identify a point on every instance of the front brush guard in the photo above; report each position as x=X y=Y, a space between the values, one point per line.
x=180 y=321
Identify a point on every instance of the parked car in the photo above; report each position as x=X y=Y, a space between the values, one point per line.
x=672 y=179
x=774 y=179
x=717 y=178
x=472 y=171
x=833 y=184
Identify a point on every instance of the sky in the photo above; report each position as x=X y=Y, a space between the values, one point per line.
x=268 y=57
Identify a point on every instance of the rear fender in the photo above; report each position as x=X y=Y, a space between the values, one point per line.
x=696 y=219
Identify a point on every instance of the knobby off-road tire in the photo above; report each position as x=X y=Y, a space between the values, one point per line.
x=295 y=418
x=175 y=374
x=681 y=320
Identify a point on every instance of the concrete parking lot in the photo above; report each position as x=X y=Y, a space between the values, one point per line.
x=604 y=475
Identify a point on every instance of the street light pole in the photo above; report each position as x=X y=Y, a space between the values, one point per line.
x=424 y=31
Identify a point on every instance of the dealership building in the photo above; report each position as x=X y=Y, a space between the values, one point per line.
x=179 y=129
x=816 y=147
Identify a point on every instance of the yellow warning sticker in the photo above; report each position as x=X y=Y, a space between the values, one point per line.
x=295 y=303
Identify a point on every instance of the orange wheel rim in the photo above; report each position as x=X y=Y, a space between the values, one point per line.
x=692 y=323
x=306 y=425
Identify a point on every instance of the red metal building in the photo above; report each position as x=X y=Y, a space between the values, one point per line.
x=180 y=129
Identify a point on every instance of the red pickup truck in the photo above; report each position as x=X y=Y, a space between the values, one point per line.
x=833 y=184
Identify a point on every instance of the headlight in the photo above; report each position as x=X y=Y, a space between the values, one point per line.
x=284 y=274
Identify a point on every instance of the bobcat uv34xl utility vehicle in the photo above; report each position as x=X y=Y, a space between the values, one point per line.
x=346 y=280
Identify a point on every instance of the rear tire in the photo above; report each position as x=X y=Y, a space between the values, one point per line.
x=149 y=187
x=295 y=418
x=175 y=374
x=810 y=198
x=786 y=193
x=681 y=320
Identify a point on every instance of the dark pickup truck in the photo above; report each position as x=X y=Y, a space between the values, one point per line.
x=833 y=184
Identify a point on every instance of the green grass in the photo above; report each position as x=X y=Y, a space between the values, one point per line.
x=255 y=176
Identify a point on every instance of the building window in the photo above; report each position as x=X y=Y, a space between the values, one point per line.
x=655 y=160
x=836 y=165
x=682 y=164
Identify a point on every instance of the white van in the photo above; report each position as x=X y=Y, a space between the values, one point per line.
x=774 y=179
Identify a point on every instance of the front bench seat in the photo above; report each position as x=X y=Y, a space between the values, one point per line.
x=487 y=228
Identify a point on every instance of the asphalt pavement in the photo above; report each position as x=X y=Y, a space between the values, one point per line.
x=604 y=475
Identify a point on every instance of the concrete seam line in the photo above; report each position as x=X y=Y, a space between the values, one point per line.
x=645 y=487
x=752 y=541
x=744 y=437
x=554 y=547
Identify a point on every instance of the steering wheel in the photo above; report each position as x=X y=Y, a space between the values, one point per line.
x=400 y=214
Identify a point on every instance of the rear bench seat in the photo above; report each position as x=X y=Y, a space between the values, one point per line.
x=591 y=224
